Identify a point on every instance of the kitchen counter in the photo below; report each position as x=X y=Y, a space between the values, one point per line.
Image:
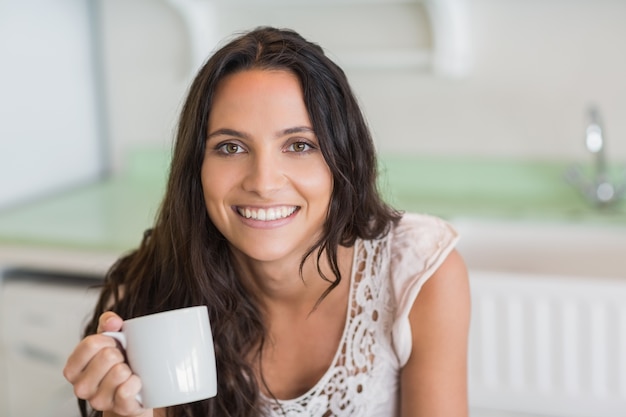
x=491 y=189
x=87 y=228
x=84 y=230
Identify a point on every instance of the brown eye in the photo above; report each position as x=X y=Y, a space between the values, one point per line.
x=230 y=148
x=300 y=147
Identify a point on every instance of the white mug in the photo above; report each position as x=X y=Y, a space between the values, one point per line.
x=173 y=354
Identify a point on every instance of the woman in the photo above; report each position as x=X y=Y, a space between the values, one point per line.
x=323 y=300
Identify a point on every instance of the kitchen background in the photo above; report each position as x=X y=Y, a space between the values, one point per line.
x=516 y=81
x=526 y=70
x=85 y=85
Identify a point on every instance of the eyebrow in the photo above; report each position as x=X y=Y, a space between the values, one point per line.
x=297 y=129
x=242 y=135
x=228 y=132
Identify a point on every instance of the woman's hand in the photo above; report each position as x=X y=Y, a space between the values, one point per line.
x=99 y=373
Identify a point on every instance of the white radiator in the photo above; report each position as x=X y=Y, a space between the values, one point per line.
x=548 y=345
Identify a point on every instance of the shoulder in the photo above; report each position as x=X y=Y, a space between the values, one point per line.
x=418 y=245
x=422 y=229
x=420 y=248
x=432 y=331
x=446 y=293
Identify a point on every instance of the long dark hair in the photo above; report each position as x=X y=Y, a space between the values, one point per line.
x=184 y=260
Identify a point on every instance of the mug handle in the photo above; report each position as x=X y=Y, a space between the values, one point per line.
x=121 y=338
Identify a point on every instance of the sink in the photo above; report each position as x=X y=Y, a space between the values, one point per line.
x=489 y=188
x=545 y=248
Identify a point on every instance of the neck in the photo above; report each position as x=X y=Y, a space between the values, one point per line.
x=279 y=285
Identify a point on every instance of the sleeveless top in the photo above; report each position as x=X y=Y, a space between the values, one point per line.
x=387 y=275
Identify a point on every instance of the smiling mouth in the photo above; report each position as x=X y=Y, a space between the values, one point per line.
x=266 y=215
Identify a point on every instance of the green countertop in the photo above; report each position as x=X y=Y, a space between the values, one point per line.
x=489 y=188
x=112 y=214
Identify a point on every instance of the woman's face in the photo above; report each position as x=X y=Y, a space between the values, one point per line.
x=266 y=185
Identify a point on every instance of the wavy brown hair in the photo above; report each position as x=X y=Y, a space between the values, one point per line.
x=184 y=260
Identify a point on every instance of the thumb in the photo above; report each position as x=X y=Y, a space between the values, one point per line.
x=109 y=322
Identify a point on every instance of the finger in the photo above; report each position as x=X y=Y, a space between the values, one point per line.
x=84 y=353
x=107 y=396
x=90 y=381
x=126 y=396
x=109 y=322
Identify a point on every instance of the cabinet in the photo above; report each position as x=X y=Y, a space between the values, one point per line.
x=42 y=317
x=429 y=35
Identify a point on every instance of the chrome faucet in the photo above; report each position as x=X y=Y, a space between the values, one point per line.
x=599 y=189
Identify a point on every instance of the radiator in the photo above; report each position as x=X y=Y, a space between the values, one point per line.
x=548 y=345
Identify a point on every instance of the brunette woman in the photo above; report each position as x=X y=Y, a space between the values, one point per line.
x=323 y=300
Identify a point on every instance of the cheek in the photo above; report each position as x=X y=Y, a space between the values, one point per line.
x=319 y=184
x=323 y=187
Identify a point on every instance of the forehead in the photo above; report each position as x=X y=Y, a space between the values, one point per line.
x=246 y=82
x=265 y=95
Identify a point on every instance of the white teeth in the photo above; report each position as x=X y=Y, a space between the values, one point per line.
x=273 y=213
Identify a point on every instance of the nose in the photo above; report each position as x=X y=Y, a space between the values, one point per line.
x=264 y=175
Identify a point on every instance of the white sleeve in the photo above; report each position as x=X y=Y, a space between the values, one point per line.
x=419 y=245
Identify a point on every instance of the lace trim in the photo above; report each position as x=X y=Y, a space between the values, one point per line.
x=352 y=381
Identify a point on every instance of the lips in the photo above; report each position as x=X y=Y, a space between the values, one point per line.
x=266 y=214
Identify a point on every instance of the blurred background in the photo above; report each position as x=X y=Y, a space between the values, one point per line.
x=90 y=92
x=84 y=82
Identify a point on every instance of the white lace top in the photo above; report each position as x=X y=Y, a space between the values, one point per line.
x=387 y=275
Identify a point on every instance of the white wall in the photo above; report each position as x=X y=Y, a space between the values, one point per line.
x=49 y=132
x=537 y=65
